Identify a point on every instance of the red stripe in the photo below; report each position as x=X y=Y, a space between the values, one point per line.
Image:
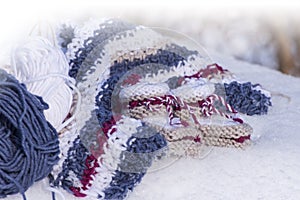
x=242 y=139
x=91 y=164
x=106 y=126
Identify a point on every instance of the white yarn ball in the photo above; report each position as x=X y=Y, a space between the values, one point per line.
x=43 y=68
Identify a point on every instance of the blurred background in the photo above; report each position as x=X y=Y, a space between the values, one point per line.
x=265 y=33
x=258 y=38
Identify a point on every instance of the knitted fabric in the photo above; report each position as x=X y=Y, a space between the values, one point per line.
x=93 y=46
x=150 y=101
x=189 y=141
x=79 y=187
x=246 y=98
x=136 y=106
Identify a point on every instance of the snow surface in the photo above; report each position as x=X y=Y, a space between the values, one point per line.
x=268 y=169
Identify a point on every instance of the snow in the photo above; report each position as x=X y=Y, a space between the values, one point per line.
x=268 y=169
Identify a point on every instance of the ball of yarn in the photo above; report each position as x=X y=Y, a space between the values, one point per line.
x=29 y=144
x=43 y=68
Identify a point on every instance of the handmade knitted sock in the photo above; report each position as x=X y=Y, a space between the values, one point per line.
x=148 y=101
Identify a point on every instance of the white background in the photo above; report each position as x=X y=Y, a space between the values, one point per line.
x=18 y=16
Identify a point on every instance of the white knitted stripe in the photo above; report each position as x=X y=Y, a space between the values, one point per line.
x=81 y=33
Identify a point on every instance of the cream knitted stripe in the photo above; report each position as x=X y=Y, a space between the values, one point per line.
x=81 y=34
x=226 y=135
x=218 y=131
x=187 y=148
x=143 y=90
x=134 y=54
